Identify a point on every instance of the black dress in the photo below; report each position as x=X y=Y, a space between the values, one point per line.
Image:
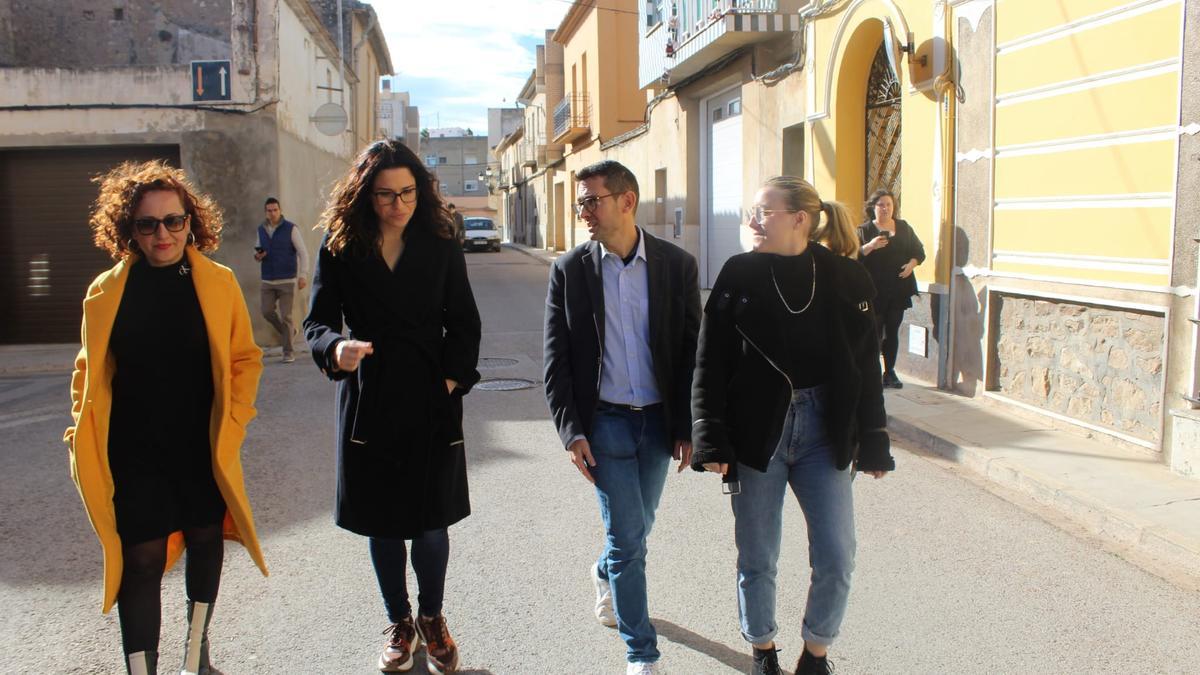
x=158 y=441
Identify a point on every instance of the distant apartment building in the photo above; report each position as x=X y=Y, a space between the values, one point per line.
x=457 y=161
x=398 y=118
x=229 y=91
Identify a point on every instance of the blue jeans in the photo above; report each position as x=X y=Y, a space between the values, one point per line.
x=804 y=459
x=632 y=453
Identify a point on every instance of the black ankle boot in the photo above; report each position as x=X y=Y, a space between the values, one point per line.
x=813 y=665
x=766 y=662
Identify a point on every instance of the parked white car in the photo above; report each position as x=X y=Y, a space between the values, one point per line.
x=480 y=234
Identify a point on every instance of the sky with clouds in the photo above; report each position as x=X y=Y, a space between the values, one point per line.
x=457 y=58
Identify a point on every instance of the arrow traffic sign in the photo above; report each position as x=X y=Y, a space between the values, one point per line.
x=210 y=80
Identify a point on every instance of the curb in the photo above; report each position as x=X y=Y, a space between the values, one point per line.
x=1177 y=552
x=532 y=253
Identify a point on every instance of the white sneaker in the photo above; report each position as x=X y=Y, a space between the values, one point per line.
x=640 y=669
x=604 y=602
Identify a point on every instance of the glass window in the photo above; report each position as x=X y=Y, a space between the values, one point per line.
x=478 y=224
x=470 y=186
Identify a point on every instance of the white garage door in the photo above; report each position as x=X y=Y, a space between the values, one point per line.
x=723 y=223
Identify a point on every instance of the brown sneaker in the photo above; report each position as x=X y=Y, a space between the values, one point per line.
x=397 y=656
x=441 y=652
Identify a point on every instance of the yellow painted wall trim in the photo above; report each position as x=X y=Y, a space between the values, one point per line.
x=1150 y=135
x=972 y=272
x=1139 y=72
x=1079 y=25
x=1129 y=200
x=1085 y=299
x=1085 y=262
x=893 y=12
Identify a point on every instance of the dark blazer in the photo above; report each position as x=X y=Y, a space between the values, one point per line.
x=884 y=265
x=740 y=399
x=401 y=462
x=574 y=334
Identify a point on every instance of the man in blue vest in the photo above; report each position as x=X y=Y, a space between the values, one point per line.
x=280 y=251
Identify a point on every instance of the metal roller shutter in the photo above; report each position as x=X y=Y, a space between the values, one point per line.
x=47 y=258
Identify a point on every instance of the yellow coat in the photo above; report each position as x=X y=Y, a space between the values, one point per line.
x=236 y=367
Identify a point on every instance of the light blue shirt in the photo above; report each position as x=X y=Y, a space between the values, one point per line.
x=627 y=370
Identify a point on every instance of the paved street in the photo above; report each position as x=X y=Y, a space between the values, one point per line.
x=951 y=578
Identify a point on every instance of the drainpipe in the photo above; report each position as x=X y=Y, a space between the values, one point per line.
x=947 y=83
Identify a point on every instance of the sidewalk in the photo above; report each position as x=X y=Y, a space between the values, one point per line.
x=17 y=360
x=1129 y=501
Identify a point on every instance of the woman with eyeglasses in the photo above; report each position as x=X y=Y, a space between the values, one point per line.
x=890 y=251
x=787 y=392
x=163 y=389
x=391 y=271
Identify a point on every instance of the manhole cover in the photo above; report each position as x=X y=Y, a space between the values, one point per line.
x=497 y=362
x=504 y=384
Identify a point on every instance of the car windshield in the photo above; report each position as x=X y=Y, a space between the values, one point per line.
x=478 y=224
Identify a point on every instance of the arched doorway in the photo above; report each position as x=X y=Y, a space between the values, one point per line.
x=883 y=125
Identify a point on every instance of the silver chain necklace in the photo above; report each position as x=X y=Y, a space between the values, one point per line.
x=810 y=297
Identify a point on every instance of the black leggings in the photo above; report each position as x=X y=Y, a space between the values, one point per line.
x=430 y=555
x=888 y=320
x=139 y=600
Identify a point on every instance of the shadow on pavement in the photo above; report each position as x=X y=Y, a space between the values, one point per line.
x=739 y=661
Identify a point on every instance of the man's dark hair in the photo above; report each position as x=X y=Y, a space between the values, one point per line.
x=451 y=205
x=617 y=178
x=270 y=201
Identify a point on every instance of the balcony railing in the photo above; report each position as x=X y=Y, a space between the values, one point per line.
x=572 y=118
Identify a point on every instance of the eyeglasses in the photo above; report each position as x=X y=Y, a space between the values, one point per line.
x=388 y=197
x=589 y=204
x=148 y=226
x=759 y=214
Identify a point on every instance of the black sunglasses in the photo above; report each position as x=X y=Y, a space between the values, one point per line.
x=148 y=226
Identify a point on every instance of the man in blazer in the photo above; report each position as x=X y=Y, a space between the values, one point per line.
x=622 y=317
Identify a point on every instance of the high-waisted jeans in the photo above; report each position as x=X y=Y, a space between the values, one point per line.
x=803 y=459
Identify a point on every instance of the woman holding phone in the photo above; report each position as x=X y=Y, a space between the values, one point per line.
x=890 y=250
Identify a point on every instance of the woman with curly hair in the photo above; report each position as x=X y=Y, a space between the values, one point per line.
x=390 y=269
x=163 y=389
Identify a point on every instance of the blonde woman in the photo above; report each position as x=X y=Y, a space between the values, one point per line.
x=787 y=391
x=163 y=389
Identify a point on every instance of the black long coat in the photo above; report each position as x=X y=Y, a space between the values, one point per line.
x=401 y=464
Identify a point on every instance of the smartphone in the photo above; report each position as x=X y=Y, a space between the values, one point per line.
x=258 y=249
x=885 y=234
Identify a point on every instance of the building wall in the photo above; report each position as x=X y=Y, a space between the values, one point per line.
x=465 y=157
x=126 y=33
x=240 y=156
x=305 y=64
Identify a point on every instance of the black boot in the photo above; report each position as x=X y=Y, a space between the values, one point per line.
x=195 y=646
x=141 y=663
x=766 y=662
x=813 y=665
x=890 y=380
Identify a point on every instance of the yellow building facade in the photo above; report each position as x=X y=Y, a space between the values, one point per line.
x=1038 y=148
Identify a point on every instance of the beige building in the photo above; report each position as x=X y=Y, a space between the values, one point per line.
x=457 y=160
x=530 y=161
x=227 y=91
x=398 y=118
